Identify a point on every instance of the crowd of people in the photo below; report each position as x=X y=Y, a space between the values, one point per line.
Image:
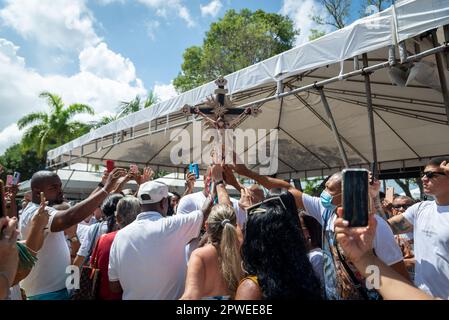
x=151 y=243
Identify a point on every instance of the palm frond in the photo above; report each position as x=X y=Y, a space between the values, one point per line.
x=31 y=118
x=53 y=100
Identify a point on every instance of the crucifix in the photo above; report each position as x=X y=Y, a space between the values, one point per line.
x=219 y=113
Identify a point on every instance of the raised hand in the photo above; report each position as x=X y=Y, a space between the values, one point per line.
x=445 y=167
x=355 y=242
x=105 y=176
x=113 y=179
x=217 y=172
x=245 y=198
x=148 y=175
x=8 y=250
x=40 y=219
x=190 y=181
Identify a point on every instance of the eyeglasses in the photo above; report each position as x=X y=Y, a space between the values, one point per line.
x=257 y=208
x=431 y=174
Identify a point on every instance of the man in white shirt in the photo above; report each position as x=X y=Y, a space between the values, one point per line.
x=429 y=222
x=323 y=210
x=47 y=279
x=146 y=261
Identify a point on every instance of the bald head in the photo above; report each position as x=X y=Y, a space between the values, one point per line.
x=41 y=178
x=50 y=184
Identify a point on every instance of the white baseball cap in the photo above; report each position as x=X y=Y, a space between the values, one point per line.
x=152 y=192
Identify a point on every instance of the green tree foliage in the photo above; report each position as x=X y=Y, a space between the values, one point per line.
x=234 y=42
x=27 y=163
x=126 y=108
x=52 y=129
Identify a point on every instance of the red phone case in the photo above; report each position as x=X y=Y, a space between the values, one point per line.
x=110 y=165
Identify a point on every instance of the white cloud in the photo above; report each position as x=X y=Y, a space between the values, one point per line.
x=64 y=24
x=8 y=136
x=151 y=27
x=8 y=53
x=164 y=91
x=105 y=63
x=20 y=85
x=301 y=12
x=211 y=9
x=163 y=7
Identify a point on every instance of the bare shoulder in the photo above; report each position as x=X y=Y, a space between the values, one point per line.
x=248 y=290
x=205 y=253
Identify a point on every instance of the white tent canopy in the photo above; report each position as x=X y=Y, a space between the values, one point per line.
x=410 y=124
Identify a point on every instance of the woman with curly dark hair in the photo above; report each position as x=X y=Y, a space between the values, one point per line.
x=274 y=254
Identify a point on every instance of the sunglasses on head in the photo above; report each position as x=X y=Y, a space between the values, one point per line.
x=257 y=208
x=432 y=174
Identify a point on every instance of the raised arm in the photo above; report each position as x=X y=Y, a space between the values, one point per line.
x=217 y=178
x=269 y=182
x=399 y=224
x=67 y=218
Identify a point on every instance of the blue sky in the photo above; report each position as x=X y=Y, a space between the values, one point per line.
x=101 y=52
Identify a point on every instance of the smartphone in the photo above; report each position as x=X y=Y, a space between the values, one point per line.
x=110 y=165
x=9 y=180
x=193 y=168
x=389 y=194
x=355 y=197
x=16 y=178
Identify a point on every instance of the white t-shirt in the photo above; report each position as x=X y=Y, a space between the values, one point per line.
x=431 y=235
x=316 y=259
x=148 y=257
x=195 y=201
x=92 y=233
x=49 y=272
x=384 y=244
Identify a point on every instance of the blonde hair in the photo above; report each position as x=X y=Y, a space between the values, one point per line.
x=222 y=223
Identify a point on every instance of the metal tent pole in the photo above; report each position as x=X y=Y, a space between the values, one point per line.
x=441 y=74
x=344 y=157
x=369 y=100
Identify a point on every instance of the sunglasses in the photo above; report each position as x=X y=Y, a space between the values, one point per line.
x=257 y=208
x=403 y=206
x=432 y=174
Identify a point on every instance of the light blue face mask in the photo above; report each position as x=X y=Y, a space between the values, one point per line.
x=326 y=200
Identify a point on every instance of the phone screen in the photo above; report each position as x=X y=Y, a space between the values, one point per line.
x=193 y=168
x=355 y=197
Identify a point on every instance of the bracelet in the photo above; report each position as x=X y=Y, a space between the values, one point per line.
x=105 y=191
x=101 y=185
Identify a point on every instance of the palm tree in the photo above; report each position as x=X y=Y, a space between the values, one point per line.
x=128 y=107
x=54 y=128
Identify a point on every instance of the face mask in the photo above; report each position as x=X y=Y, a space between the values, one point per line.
x=326 y=200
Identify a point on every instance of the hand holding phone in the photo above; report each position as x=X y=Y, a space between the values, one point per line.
x=355 y=197
x=193 y=168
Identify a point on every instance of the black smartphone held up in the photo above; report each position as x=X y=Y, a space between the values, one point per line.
x=373 y=172
x=355 y=197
